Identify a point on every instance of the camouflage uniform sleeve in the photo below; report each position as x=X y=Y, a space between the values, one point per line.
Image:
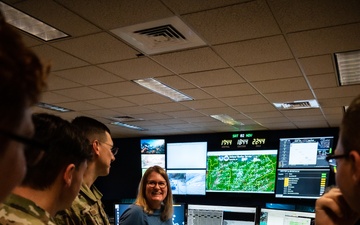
x=68 y=217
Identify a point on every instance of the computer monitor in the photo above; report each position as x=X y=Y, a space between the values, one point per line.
x=303 y=171
x=219 y=215
x=119 y=208
x=279 y=216
x=241 y=171
x=186 y=167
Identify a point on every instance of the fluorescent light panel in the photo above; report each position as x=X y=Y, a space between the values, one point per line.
x=160 y=88
x=30 y=24
x=53 y=107
x=127 y=125
x=227 y=119
x=348 y=65
x=301 y=104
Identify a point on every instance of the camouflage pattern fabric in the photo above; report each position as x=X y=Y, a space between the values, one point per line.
x=87 y=208
x=17 y=210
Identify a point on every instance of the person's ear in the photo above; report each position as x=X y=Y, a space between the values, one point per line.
x=69 y=174
x=355 y=159
x=95 y=147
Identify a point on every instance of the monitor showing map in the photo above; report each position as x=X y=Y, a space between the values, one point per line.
x=303 y=171
x=245 y=171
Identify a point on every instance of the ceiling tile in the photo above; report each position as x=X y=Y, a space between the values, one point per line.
x=281 y=85
x=58 y=60
x=213 y=77
x=110 y=103
x=192 y=60
x=167 y=107
x=216 y=111
x=204 y=104
x=136 y=68
x=289 y=96
x=270 y=71
x=82 y=93
x=188 y=6
x=122 y=89
x=244 y=100
x=133 y=110
x=231 y=90
x=116 y=13
x=256 y=108
x=52 y=98
x=255 y=51
x=217 y=29
x=337 y=92
x=147 y=99
x=323 y=80
x=326 y=40
x=89 y=75
x=304 y=15
x=317 y=64
x=56 y=82
x=97 y=48
x=78 y=106
x=175 y=82
x=184 y=114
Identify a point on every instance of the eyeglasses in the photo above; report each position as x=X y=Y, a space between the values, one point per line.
x=332 y=160
x=114 y=150
x=152 y=184
x=34 y=150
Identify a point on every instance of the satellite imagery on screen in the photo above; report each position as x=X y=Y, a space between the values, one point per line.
x=242 y=172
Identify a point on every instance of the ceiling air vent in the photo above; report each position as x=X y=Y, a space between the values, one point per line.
x=303 y=104
x=160 y=36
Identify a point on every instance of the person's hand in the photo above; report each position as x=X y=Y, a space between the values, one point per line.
x=332 y=209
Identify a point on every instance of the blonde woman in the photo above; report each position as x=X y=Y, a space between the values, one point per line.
x=154 y=203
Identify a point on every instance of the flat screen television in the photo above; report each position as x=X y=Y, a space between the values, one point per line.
x=303 y=171
x=177 y=219
x=186 y=167
x=279 y=216
x=244 y=171
x=219 y=215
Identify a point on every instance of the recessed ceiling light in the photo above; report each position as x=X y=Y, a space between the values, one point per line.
x=160 y=88
x=53 y=107
x=227 y=119
x=29 y=24
x=301 y=104
x=127 y=125
x=348 y=67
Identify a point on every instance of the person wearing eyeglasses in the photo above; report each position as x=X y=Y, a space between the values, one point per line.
x=54 y=181
x=87 y=207
x=154 y=202
x=22 y=79
x=341 y=204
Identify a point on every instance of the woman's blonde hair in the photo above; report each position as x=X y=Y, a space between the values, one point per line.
x=167 y=207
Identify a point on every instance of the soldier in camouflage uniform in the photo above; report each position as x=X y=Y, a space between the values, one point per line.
x=53 y=183
x=22 y=78
x=87 y=208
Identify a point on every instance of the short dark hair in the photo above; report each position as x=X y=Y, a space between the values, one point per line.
x=92 y=128
x=66 y=146
x=350 y=127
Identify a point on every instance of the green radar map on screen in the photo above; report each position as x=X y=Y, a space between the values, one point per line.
x=248 y=171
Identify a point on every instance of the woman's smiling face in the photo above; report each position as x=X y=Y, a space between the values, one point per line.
x=155 y=194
